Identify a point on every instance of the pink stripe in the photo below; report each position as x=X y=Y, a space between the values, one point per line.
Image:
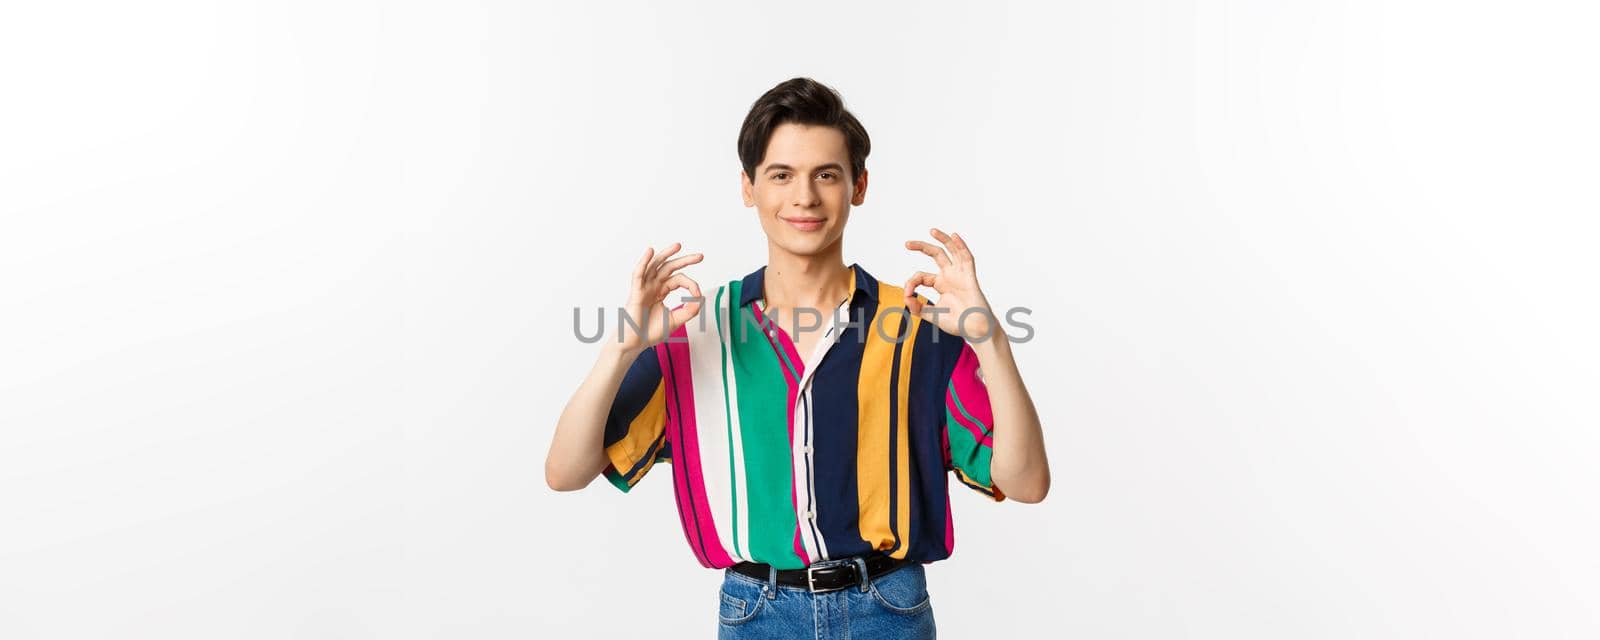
x=672 y=436
x=974 y=396
x=783 y=343
x=794 y=498
x=794 y=354
x=955 y=414
x=691 y=485
x=949 y=522
x=944 y=436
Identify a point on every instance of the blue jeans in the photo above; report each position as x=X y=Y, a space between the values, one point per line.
x=893 y=606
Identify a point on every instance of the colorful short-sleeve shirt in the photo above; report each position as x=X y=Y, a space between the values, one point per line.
x=791 y=460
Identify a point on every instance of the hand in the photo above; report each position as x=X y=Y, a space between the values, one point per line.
x=653 y=278
x=957 y=284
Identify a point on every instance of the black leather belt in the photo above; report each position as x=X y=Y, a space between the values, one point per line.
x=827 y=578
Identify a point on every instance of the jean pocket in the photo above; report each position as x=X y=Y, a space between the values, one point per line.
x=904 y=592
x=739 y=602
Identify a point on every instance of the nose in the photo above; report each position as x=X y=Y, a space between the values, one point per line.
x=805 y=194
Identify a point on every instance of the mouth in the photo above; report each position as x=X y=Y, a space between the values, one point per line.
x=805 y=224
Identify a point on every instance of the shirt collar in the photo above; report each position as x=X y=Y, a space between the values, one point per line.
x=753 y=285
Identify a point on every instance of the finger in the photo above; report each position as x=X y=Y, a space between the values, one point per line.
x=918 y=278
x=662 y=257
x=690 y=307
x=937 y=253
x=922 y=307
x=638 y=267
x=959 y=248
x=679 y=263
x=943 y=238
x=921 y=278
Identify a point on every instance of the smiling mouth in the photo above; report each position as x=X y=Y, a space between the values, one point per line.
x=805 y=224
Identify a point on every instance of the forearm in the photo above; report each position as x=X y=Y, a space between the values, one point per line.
x=1019 y=466
x=577 y=451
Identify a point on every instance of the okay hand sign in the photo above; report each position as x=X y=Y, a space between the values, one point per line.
x=957 y=284
x=653 y=278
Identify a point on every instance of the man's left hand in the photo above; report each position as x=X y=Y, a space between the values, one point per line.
x=962 y=308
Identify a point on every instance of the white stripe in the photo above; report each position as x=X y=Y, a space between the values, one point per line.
x=741 y=505
x=802 y=490
x=710 y=418
x=803 y=463
x=812 y=462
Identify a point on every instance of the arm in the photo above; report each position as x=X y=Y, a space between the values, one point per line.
x=1019 y=466
x=577 y=451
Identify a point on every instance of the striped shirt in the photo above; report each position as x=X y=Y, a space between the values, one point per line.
x=787 y=460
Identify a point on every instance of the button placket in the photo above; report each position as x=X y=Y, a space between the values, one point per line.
x=805 y=451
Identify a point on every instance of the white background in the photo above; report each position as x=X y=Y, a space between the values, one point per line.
x=286 y=293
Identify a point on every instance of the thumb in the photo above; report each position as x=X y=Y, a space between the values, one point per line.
x=684 y=313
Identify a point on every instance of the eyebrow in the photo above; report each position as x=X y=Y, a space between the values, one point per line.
x=831 y=165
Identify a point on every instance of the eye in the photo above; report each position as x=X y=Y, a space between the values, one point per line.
x=826 y=175
x=781 y=175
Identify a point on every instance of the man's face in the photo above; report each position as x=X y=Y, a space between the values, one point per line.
x=802 y=189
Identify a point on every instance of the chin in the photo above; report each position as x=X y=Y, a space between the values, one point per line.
x=805 y=246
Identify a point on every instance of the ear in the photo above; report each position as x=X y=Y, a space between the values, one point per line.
x=861 y=189
x=747 y=190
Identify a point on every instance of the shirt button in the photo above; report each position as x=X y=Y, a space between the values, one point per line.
x=811 y=515
x=808 y=449
x=772 y=332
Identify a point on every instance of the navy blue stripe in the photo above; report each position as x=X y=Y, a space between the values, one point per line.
x=835 y=410
x=638 y=386
x=648 y=455
x=894 y=433
x=929 y=479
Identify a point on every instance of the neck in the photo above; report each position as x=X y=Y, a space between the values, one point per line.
x=817 y=281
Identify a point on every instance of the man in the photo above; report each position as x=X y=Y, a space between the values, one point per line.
x=809 y=459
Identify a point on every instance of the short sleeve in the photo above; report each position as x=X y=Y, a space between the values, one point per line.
x=635 y=437
x=969 y=422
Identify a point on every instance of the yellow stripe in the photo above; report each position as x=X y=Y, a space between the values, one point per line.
x=995 y=492
x=872 y=437
x=642 y=432
x=650 y=462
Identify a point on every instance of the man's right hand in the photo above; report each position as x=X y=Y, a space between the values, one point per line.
x=654 y=277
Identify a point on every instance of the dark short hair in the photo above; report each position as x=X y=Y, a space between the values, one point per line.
x=801 y=101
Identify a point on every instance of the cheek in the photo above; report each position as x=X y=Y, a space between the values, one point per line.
x=768 y=205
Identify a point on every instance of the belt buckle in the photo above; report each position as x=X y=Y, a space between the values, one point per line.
x=811 y=579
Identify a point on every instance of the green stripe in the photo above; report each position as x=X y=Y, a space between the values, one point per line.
x=763 y=422
x=957 y=397
x=966 y=453
x=617 y=480
x=782 y=352
x=733 y=476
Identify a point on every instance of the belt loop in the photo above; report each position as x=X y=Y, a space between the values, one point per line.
x=772 y=582
x=861 y=567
